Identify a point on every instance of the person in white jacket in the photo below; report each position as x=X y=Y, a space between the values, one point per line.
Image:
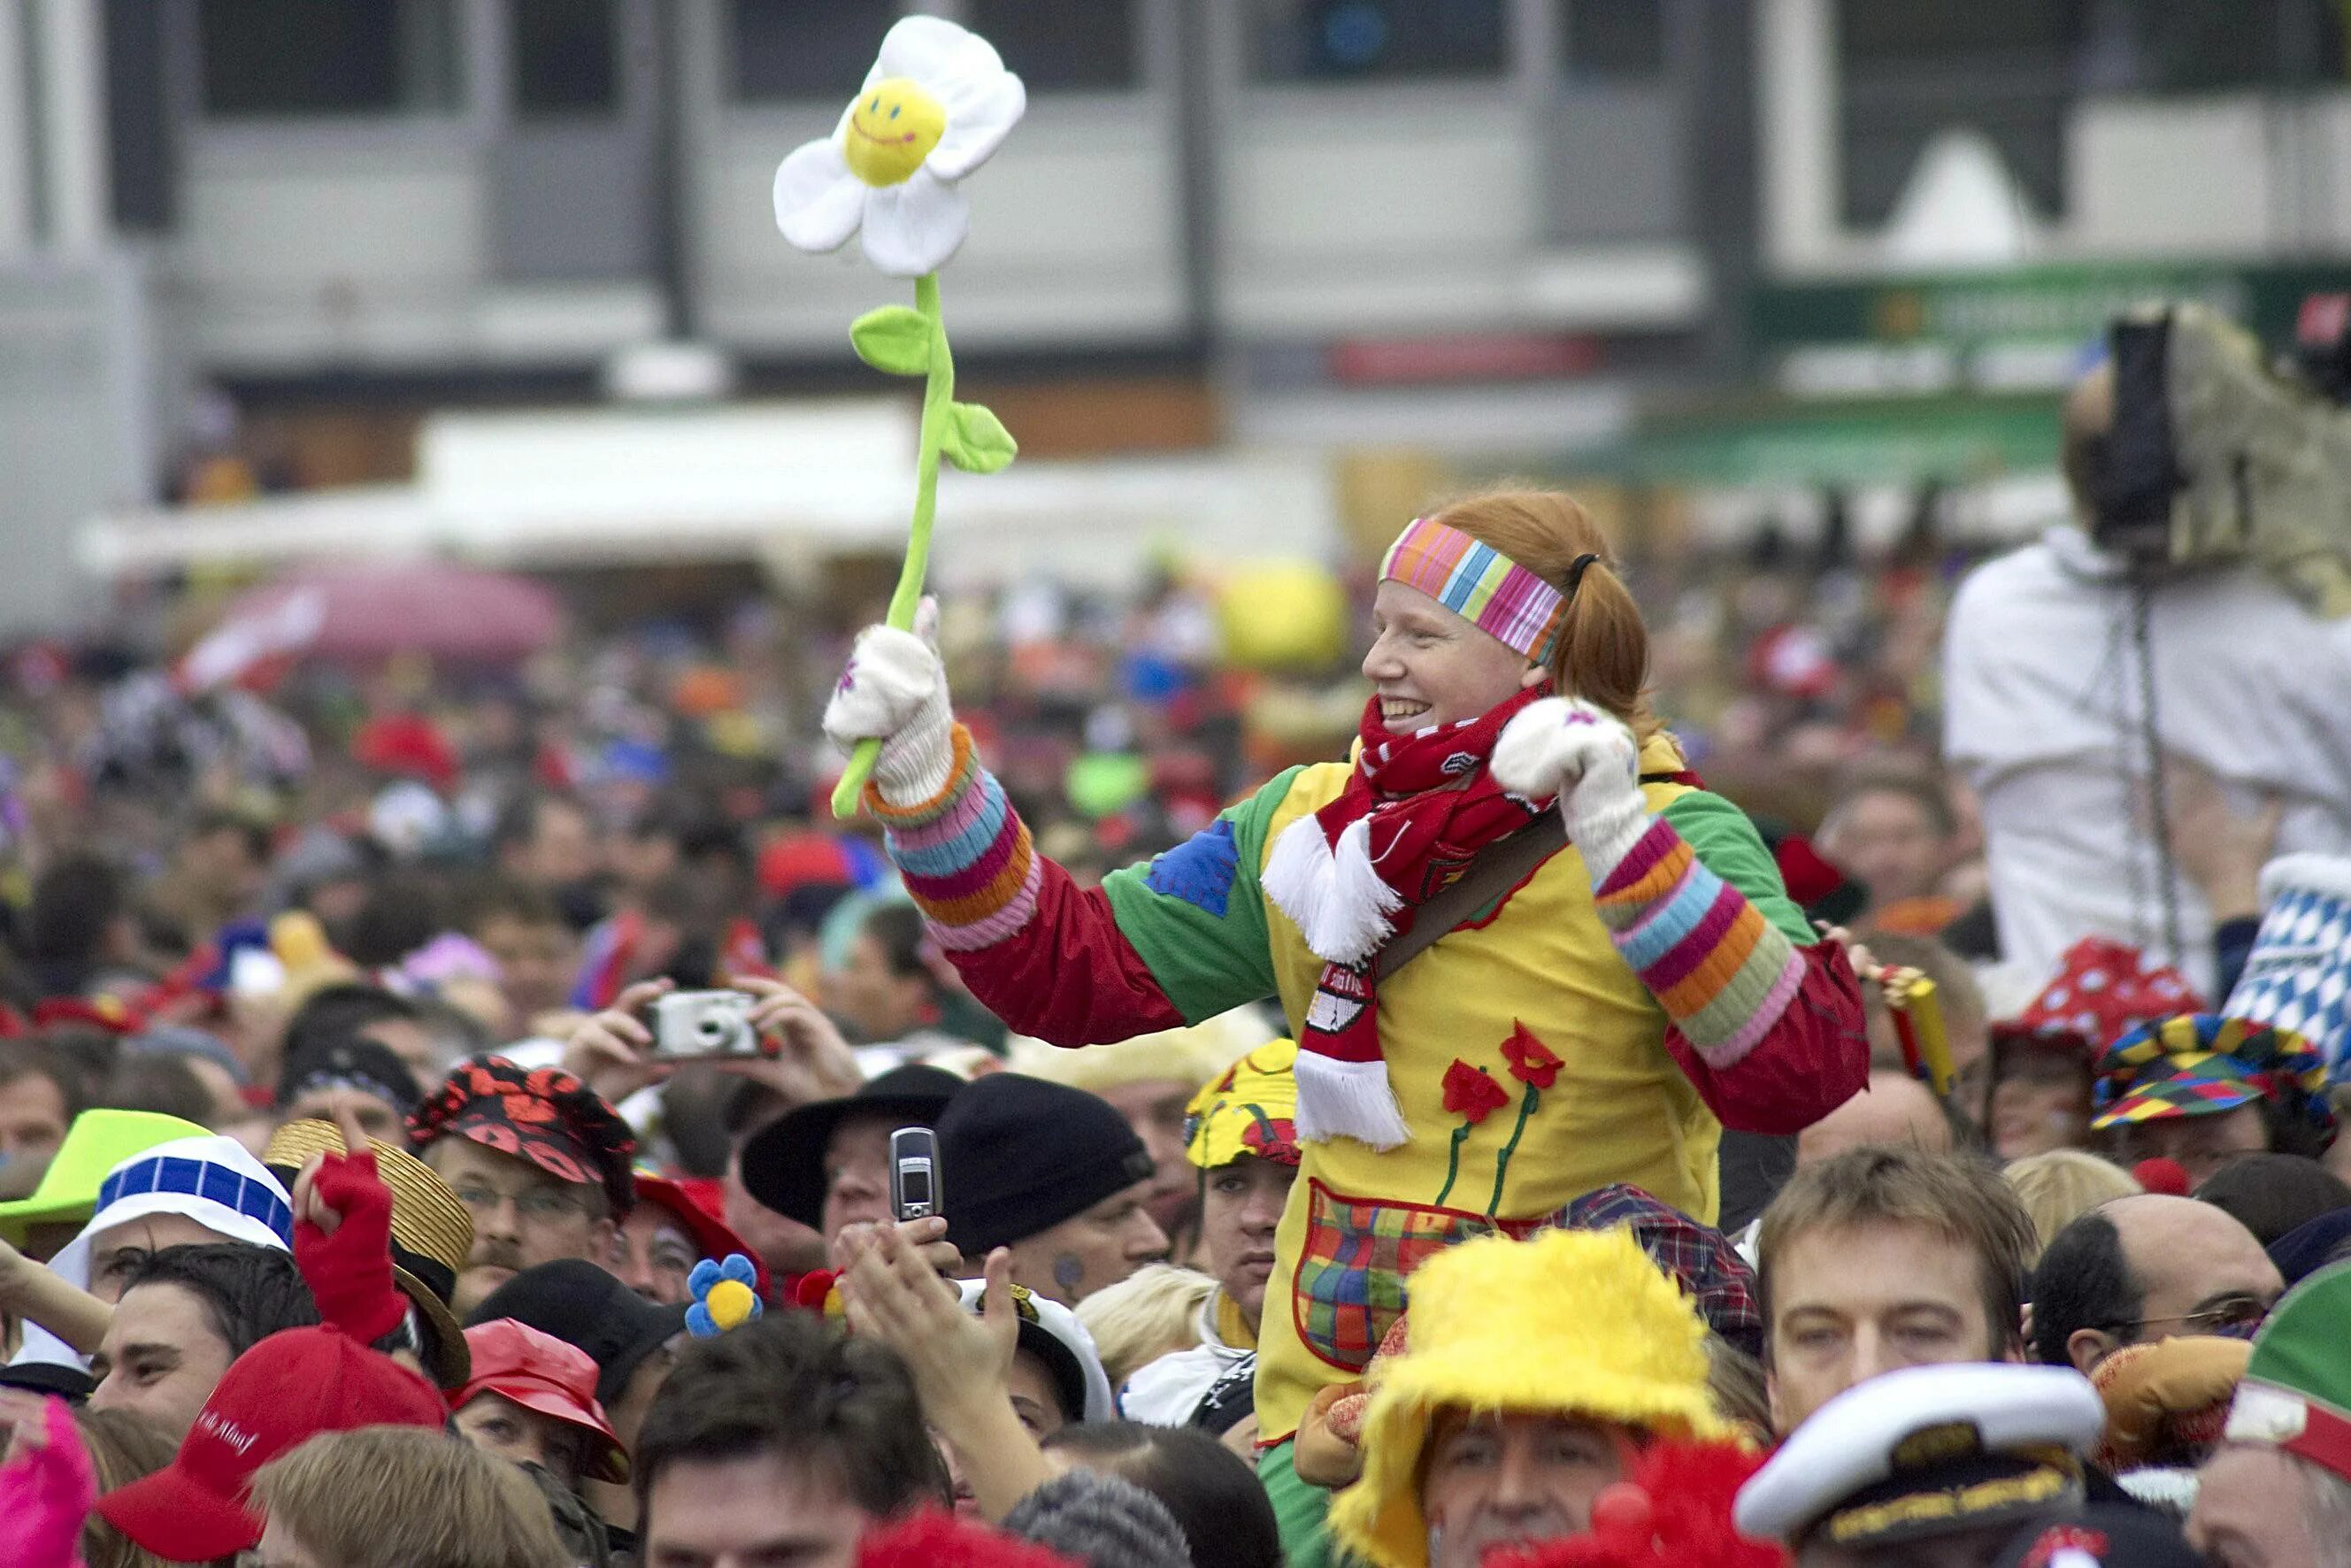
x=1240 y=1131
x=2045 y=681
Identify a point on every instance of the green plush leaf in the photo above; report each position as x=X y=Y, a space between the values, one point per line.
x=893 y=339
x=976 y=440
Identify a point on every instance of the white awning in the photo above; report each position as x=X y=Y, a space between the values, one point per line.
x=610 y=488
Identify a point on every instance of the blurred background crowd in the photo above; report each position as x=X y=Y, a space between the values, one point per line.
x=437 y=507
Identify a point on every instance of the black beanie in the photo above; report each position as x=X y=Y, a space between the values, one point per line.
x=1018 y=1155
x=359 y=1063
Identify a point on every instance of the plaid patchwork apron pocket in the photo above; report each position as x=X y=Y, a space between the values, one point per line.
x=1349 y=1289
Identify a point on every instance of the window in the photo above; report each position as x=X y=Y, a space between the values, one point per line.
x=266 y=58
x=1913 y=68
x=138 y=121
x=2193 y=47
x=1613 y=40
x=1378 y=40
x=1062 y=46
x=790 y=49
x=1920 y=33
x=566 y=57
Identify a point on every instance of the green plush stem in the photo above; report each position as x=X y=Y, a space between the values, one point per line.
x=1452 y=1165
x=938 y=395
x=1502 y=1161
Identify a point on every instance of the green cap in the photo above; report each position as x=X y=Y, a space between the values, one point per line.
x=1101 y=782
x=97 y=1142
x=2296 y=1391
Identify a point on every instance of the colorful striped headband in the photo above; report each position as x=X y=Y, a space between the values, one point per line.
x=1482 y=585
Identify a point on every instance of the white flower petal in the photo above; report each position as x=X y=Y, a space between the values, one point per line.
x=935 y=52
x=914 y=228
x=980 y=115
x=818 y=199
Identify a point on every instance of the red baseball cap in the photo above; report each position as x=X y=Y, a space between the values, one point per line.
x=277 y=1395
x=713 y=1237
x=542 y=1374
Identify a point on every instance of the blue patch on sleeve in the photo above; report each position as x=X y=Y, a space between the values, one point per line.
x=1199 y=871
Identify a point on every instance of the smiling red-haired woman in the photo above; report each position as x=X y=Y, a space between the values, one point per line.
x=1649 y=949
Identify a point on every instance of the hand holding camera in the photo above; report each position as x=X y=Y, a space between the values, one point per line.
x=704 y=1025
x=755 y=1027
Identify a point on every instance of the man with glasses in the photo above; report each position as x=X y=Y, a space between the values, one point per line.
x=539 y=1161
x=2144 y=1268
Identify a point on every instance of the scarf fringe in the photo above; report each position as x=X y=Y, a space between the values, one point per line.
x=1348 y=1100
x=1332 y=891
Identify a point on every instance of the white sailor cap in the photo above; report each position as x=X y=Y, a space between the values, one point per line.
x=1926 y=1451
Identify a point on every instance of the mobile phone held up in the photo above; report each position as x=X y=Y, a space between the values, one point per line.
x=695 y=1026
x=914 y=1190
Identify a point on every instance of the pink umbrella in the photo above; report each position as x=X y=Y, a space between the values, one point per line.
x=364 y=612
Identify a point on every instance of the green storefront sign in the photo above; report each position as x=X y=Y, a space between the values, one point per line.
x=1912 y=441
x=2030 y=305
x=1972 y=415
x=1951 y=377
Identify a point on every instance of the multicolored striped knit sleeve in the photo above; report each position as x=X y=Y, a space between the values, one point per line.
x=1723 y=973
x=965 y=855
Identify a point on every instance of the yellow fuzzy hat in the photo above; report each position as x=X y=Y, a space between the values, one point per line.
x=1189 y=1056
x=1572 y=1322
x=1248 y=1109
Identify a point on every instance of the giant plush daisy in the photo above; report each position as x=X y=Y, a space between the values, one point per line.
x=937 y=104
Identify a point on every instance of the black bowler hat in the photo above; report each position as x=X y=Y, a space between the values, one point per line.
x=584 y=1306
x=1021 y=1156
x=783 y=1165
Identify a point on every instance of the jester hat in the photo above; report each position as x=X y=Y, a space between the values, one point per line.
x=2201 y=1064
x=1249 y=1109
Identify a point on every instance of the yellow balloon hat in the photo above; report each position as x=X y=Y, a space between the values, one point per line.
x=1573 y=1323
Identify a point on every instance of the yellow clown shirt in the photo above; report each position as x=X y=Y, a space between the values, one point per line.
x=1563 y=1038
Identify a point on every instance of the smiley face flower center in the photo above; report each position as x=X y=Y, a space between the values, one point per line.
x=892 y=128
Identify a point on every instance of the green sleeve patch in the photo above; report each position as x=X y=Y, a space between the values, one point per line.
x=1196 y=916
x=1727 y=845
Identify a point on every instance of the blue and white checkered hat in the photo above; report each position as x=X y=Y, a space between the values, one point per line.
x=214 y=1181
x=2299 y=976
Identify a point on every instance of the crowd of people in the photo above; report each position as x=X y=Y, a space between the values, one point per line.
x=1609 y=1103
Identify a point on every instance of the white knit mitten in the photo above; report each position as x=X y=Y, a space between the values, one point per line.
x=1586 y=755
x=896 y=690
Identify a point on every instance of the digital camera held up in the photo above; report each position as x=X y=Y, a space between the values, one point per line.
x=692 y=1026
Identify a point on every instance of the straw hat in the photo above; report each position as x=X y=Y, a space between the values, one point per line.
x=432 y=1233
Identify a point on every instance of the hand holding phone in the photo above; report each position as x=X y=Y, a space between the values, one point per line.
x=914 y=1188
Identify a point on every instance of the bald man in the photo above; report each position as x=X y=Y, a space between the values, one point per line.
x=1893 y=1108
x=2145 y=1268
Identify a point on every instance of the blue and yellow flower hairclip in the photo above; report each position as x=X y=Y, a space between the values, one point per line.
x=724 y=1296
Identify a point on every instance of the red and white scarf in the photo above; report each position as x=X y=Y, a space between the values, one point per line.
x=1352 y=876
